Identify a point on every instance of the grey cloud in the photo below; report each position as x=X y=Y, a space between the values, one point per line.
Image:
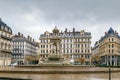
x=68 y=10
x=82 y=14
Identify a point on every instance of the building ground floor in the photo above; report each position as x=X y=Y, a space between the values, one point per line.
x=112 y=60
x=5 y=61
x=5 y=58
x=18 y=61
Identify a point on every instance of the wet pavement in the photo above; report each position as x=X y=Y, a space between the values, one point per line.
x=103 y=76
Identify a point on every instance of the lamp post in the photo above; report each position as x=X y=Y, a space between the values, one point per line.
x=109 y=70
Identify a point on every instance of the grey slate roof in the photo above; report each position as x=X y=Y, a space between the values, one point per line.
x=4 y=27
x=110 y=32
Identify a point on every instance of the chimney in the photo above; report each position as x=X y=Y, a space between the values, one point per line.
x=116 y=32
x=65 y=29
x=105 y=33
x=22 y=35
x=18 y=33
x=73 y=29
x=28 y=37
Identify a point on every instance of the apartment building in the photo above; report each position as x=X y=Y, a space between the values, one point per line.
x=23 y=47
x=74 y=45
x=5 y=43
x=108 y=48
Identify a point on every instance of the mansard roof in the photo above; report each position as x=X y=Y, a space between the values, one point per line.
x=69 y=34
x=4 y=27
x=110 y=33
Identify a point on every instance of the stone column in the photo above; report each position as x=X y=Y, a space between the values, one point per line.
x=114 y=60
x=110 y=60
x=107 y=60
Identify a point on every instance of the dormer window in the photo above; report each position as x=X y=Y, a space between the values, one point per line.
x=9 y=30
x=6 y=28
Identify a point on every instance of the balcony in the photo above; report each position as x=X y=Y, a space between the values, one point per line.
x=6 y=50
x=5 y=37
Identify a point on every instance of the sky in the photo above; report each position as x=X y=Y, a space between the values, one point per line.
x=34 y=17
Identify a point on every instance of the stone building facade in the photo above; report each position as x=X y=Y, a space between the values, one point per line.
x=75 y=45
x=5 y=43
x=23 y=47
x=108 y=48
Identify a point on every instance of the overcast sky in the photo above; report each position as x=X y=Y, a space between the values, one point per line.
x=34 y=17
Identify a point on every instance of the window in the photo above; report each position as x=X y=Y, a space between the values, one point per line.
x=88 y=56
x=47 y=36
x=46 y=51
x=71 y=40
x=67 y=40
x=109 y=45
x=78 y=45
x=67 y=45
x=109 y=50
x=76 y=51
x=67 y=51
x=64 y=50
x=71 y=46
x=88 y=50
x=112 y=45
x=47 y=41
x=64 y=45
x=81 y=45
x=112 y=51
x=71 y=51
x=78 y=40
x=82 y=56
x=85 y=45
x=109 y=39
x=46 y=46
x=82 y=51
x=81 y=39
x=88 y=40
x=112 y=39
x=64 y=40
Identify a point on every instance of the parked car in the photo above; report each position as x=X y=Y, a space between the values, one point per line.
x=13 y=64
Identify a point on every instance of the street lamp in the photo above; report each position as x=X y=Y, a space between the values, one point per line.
x=109 y=70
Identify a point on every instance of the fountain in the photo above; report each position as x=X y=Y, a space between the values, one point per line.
x=55 y=58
